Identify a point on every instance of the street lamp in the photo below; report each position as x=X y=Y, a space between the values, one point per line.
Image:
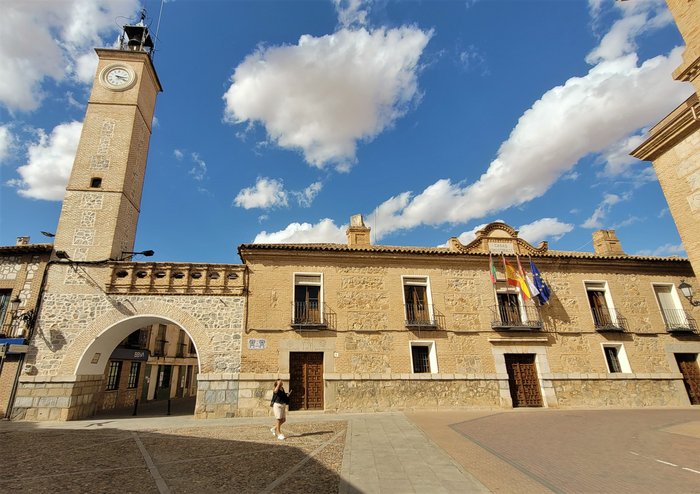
x=687 y=292
x=26 y=316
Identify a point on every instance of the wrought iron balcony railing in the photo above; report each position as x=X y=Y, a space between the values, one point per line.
x=308 y=315
x=526 y=318
x=679 y=321
x=606 y=319
x=420 y=315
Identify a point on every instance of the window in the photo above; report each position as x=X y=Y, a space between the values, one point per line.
x=423 y=357
x=137 y=339
x=115 y=368
x=417 y=301
x=181 y=345
x=134 y=375
x=509 y=308
x=601 y=305
x=4 y=304
x=307 y=299
x=616 y=358
x=674 y=316
x=161 y=341
x=95 y=182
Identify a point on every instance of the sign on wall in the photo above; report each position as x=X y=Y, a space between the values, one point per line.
x=256 y=343
x=497 y=247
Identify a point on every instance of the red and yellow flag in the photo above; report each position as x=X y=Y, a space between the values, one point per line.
x=513 y=278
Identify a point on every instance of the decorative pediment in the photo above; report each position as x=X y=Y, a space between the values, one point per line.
x=497 y=238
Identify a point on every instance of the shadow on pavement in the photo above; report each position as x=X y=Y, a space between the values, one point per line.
x=221 y=458
x=154 y=408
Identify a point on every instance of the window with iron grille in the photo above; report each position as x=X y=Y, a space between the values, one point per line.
x=421 y=359
x=613 y=361
x=307 y=299
x=4 y=303
x=134 y=375
x=115 y=367
x=600 y=302
x=417 y=300
x=616 y=358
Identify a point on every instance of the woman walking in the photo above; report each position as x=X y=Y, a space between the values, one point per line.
x=280 y=400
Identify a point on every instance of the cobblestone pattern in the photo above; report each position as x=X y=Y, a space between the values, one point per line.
x=10 y=267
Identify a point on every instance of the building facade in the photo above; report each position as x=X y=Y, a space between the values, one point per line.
x=22 y=268
x=359 y=327
x=353 y=327
x=673 y=145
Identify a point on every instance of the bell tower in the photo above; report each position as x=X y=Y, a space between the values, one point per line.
x=103 y=197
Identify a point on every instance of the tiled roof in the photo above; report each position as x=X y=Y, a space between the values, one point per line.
x=443 y=251
x=25 y=249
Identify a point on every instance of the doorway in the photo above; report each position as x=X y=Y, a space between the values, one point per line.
x=522 y=380
x=688 y=365
x=306 y=380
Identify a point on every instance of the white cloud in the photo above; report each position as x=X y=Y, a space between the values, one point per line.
x=664 y=250
x=7 y=141
x=352 y=12
x=325 y=94
x=267 y=193
x=617 y=157
x=585 y=115
x=40 y=40
x=199 y=169
x=46 y=174
x=307 y=196
x=544 y=229
x=638 y=17
x=178 y=154
x=325 y=231
x=601 y=212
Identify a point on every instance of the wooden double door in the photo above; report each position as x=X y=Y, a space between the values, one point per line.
x=522 y=380
x=688 y=365
x=306 y=380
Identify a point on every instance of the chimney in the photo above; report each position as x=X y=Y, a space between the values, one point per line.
x=605 y=243
x=357 y=232
x=22 y=241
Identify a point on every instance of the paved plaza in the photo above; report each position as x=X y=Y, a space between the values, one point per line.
x=619 y=451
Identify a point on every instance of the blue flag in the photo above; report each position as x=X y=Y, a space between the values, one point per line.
x=544 y=294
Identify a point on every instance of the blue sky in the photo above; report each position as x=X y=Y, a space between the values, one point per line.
x=281 y=119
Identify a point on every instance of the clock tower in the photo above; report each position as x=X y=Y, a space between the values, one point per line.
x=102 y=202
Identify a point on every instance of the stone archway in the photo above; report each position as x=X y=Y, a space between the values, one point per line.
x=61 y=381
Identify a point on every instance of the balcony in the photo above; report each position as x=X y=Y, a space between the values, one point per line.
x=608 y=320
x=420 y=316
x=679 y=321
x=516 y=318
x=308 y=316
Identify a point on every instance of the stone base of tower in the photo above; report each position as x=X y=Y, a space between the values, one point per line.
x=56 y=397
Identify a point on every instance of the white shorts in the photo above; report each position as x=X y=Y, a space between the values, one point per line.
x=280 y=410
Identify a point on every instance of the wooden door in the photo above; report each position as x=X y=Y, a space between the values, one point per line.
x=523 y=381
x=688 y=365
x=306 y=380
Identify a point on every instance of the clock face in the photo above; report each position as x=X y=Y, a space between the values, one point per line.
x=118 y=77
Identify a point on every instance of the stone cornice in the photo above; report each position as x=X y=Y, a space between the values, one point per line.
x=680 y=123
x=688 y=73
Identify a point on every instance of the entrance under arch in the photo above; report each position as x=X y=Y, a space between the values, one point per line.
x=145 y=365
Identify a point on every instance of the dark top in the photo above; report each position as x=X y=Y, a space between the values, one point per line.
x=280 y=397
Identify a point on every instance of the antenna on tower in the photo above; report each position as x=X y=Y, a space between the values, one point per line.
x=160 y=14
